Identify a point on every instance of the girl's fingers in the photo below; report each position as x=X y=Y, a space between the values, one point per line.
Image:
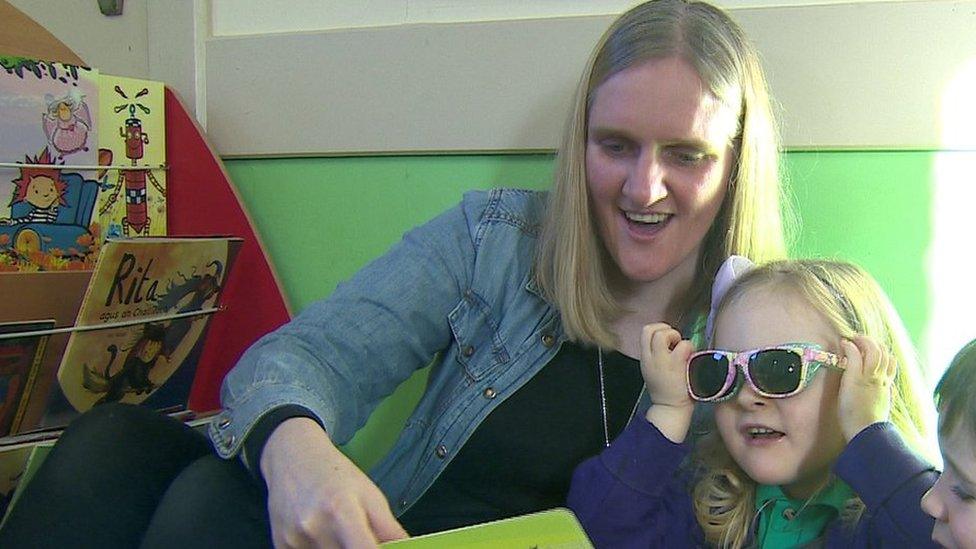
x=852 y=358
x=683 y=349
x=647 y=334
x=664 y=340
x=872 y=358
x=891 y=367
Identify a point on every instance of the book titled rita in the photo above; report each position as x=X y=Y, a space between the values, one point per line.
x=141 y=325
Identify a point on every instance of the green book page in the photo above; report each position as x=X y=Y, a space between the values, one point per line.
x=33 y=463
x=552 y=529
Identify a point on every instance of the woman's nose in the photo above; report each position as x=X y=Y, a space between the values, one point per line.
x=645 y=185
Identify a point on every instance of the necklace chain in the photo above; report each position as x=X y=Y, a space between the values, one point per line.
x=603 y=399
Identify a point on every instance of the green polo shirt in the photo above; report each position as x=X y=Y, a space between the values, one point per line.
x=786 y=522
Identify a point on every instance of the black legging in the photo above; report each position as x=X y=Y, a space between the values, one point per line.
x=125 y=476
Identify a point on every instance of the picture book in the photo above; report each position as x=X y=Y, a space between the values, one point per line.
x=81 y=160
x=131 y=202
x=21 y=355
x=48 y=120
x=18 y=463
x=13 y=462
x=141 y=324
x=42 y=295
x=552 y=529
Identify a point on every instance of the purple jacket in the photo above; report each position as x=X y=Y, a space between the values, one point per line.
x=634 y=494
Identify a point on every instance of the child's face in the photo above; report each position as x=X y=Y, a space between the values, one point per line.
x=952 y=500
x=41 y=192
x=806 y=437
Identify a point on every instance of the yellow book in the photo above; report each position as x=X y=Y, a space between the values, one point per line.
x=140 y=328
x=131 y=118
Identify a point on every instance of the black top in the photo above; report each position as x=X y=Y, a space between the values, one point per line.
x=521 y=458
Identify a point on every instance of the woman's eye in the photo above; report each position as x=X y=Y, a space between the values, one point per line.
x=963 y=495
x=615 y=147
x=688 y=157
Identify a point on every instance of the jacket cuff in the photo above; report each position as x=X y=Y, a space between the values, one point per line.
x=876 y=463
x=258 y=437
x=642 y=457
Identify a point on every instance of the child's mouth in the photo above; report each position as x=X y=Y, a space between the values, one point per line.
x=762 y=435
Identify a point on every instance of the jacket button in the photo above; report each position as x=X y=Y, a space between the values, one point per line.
x=224 y=423
x=403 y=503
x=789 y=513
x=490 y=393
x=548 y=340
x=467 y=350
x=231 y=441
x=441 y=451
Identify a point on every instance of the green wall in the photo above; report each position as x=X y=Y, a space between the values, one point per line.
x=323 y=218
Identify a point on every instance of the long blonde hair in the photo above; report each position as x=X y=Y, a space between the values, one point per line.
x=853 y=303
x=571 y=261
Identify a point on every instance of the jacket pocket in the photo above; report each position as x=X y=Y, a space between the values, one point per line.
x=478 y=345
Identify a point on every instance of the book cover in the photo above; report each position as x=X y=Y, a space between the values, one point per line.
x=131 y=115
x=49 y=295
x=551 y=529
x=17 y=466
x=141 y=324
x=20 y=363
x=13 y=462
x=47 y=118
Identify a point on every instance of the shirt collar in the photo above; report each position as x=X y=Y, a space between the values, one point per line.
x=788 y=522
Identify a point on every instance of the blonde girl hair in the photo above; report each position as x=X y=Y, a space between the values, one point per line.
x=853 y=303
x=571 y=262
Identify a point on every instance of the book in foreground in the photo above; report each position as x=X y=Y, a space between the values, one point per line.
x=552 y=529
x=18 y=463
x=142 y=322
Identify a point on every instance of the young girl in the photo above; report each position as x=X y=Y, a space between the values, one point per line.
x=952 y=500
x=815 y=417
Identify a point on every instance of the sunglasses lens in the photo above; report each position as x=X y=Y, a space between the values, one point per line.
x=776 y=371
x=707 y=374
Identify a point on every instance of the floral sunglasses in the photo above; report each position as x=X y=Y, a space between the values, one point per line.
x=772 y=372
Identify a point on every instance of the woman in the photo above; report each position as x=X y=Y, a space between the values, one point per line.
x=532 y=305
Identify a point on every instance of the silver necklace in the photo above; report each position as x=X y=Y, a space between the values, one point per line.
x=603 y=399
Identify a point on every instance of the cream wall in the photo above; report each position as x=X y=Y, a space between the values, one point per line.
x=116 y=45
x=266 y=80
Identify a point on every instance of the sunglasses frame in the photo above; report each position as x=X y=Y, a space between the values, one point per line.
x=812 y=357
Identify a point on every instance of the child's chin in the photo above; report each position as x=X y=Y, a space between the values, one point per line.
x=773 y=476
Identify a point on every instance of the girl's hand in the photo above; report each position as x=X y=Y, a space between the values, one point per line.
x=865 y=387
x=664 y=358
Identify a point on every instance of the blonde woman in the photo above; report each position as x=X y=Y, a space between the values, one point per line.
x=532 y=305
x=817 y=423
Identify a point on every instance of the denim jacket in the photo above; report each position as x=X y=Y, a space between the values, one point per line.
x=459 y=287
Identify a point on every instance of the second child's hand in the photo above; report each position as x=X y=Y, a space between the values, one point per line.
x=664 y=355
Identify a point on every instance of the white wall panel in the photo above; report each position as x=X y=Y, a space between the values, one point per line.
x=847 y=76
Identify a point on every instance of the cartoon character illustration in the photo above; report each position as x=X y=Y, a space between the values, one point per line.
x=67 y=122
x=190 y=295
x=133 y=376
x=157 y=339
x=50 y=211
x=42 y=188
x=136 y=206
